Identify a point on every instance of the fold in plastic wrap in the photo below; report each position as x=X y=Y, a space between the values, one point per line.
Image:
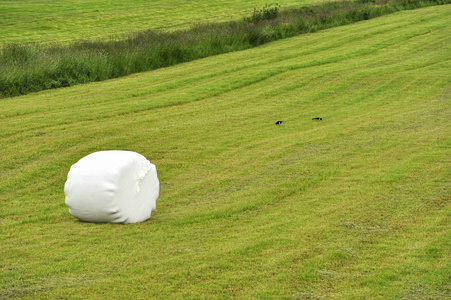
x=112 y=187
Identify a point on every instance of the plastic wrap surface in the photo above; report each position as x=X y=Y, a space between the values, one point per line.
x=112 y=187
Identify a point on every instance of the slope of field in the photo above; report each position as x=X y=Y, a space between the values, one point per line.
x=355 y=206
x=47 y=21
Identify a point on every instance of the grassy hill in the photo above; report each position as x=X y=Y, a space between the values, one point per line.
x=29 y=68
x=355 y=206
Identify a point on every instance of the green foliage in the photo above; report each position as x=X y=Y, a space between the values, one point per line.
x=269 y=12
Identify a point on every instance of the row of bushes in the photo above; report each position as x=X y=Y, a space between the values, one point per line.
x=31 y=68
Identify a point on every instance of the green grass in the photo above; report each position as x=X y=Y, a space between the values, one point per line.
x=353 y=207
x=31 y=68
x=44 y=21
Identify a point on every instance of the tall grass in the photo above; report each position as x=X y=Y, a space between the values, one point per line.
x=31 y=68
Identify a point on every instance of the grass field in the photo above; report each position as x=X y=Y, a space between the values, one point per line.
x=353 y=207
x=46 y=21
x=30 y=68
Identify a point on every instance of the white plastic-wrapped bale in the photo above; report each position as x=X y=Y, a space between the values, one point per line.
x=112 y=187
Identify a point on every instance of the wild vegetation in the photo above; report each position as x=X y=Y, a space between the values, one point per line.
x=355 y=206
x=31 y=68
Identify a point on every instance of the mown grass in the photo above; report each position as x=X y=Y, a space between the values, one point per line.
x=353 y=207
x=44 y=21
x=27 y=68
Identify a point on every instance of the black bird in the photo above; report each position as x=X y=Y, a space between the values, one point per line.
x=317 y=119
x=279 y=122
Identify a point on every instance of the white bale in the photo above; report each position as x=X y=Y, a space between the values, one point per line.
x=112 y=187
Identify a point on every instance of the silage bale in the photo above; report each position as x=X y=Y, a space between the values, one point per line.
x=112 y=187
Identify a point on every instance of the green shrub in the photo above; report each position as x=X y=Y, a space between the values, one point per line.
x=269 y=12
